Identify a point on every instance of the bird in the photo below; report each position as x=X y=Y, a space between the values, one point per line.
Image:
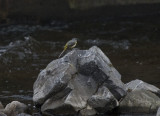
x=69 y=45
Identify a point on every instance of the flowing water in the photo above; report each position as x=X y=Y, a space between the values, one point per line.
x=131 y=43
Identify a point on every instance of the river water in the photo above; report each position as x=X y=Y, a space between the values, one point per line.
x=132 y=44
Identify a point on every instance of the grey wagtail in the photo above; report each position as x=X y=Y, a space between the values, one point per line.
x=70 y=44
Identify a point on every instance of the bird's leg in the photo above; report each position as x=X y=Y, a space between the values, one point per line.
x=65 y=47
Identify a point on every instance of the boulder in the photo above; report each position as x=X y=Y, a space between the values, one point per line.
x=158 y=112
x=14 y=108
x=66 y=84
x=139 y=85
x=140 y=102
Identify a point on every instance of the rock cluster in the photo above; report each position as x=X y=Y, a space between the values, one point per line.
x=85 y=82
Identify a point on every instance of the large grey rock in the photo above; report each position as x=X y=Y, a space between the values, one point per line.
x=140 y=102
x=67 y=83
x=158 y=112
x=103 y=100
x=139 y=85
x=14 y=108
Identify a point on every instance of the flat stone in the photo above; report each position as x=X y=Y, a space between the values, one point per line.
x=139 y=85
x=140 y=102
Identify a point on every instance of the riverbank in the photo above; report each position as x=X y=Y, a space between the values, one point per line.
x=40 y=12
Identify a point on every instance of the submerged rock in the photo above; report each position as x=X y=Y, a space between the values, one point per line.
x=139 y=85
x=66 y=84
x=140 y=102
x=14 y=108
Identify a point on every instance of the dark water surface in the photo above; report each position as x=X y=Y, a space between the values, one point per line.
x=131 y=43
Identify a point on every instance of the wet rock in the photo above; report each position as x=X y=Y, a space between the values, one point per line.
x=69 y=82
x=23 y=114
x=140 y=102
x=158 y=112
x=139 y=85
x=103 y=100
x=14 y=108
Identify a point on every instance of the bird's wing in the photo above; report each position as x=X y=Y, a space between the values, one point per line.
x=74 y=45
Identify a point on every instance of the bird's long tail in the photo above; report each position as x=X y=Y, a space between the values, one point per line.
x=65 y=47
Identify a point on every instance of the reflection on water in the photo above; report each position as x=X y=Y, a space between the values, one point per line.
x=132 y=45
